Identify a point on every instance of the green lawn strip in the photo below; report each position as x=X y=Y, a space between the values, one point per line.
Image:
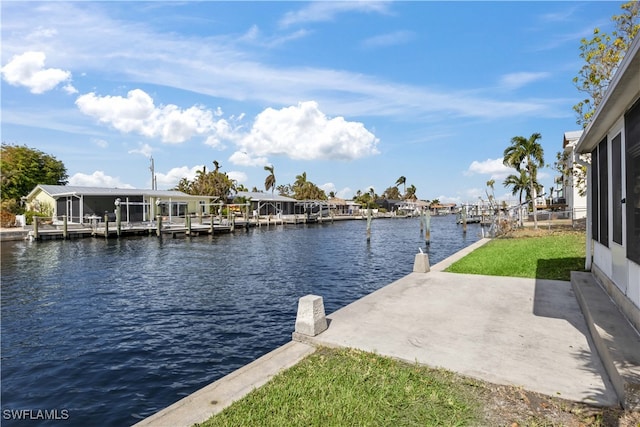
x=348 y=387
x=544 y=257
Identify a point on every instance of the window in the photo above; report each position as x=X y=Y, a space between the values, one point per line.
x=632 y=138
x=616 y=187
x=603 y=188
x=595 y=206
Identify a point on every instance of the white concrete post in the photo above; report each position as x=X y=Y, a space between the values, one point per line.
x=311 y=319
x=421 y=263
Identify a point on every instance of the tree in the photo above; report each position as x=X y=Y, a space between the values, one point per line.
x=526 y=154
x=307 y=190
x=602 y=55
x=285 y=190
x=392 y=193
x=213 y=183
x=411 y=193
x=402 y=180
x=518 y=183
x=270 y=180
x=23 y=168
x=490 y=196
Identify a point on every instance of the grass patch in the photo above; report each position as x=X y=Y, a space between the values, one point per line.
x=349 y=387
x=551 y=256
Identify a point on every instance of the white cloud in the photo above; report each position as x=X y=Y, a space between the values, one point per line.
x=242 y=158
x=137 y=113
x=238 y=176
x=171 y=178
x=328 y=187
x=389 y=39
x=326 y=11
x=303 y=132
x=145 y=150
x=100 y=142
x=28 y=70
x=220 y=67
x=517 y=80
x=346 y=193
x=493 y=167
x=97 y=179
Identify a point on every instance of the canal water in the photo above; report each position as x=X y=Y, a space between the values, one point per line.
x=108 y=332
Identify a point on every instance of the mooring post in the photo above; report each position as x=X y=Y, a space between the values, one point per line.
x=188 y=221
x=310 y=320
x=211 y=225
x=427 y=233
x=118 y=217
x=368 y=224
x=35 y=227
x=159 y=226
x=65 y=229
x=106 y=225
x=464 y=220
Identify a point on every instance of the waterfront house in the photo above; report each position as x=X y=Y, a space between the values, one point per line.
x=268 y=203
x=81 y=204
x=613 y=187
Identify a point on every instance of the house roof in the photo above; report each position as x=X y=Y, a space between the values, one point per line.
x=76 y=190
x=264 y=197
x=623 y=92
x=571 y=136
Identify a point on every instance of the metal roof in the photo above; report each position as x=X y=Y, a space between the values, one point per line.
x=264 y=197
x=76 y=190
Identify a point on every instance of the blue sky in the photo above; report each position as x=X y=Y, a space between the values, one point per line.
x=354 y=93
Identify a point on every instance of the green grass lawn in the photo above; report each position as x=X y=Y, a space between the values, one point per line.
x=551 y=256
x=348 y=388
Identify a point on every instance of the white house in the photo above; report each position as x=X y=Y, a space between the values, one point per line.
x=613 y=187
x=571 y=185
x=79 y=204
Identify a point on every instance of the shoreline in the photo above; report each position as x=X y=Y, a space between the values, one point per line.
x=202 y=404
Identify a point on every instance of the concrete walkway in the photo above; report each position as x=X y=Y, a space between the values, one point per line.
x=524 y=332
x=505 y=330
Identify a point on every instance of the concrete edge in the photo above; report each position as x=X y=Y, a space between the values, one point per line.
x=213 y=398
x=442 y=265
x=617 y=342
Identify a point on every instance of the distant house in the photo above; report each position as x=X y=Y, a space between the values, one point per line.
x=269 y=203
x=613 y=186
x=338 y=206
x=571 y=187
x=443 y=209
x=84 y=204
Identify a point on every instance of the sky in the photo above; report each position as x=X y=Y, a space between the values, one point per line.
x=354 y=93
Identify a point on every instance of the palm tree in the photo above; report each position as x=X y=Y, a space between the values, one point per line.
x=402 y=180
x=270 y=180
x=518 y=183
x=411 y=193
x=526 y=154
